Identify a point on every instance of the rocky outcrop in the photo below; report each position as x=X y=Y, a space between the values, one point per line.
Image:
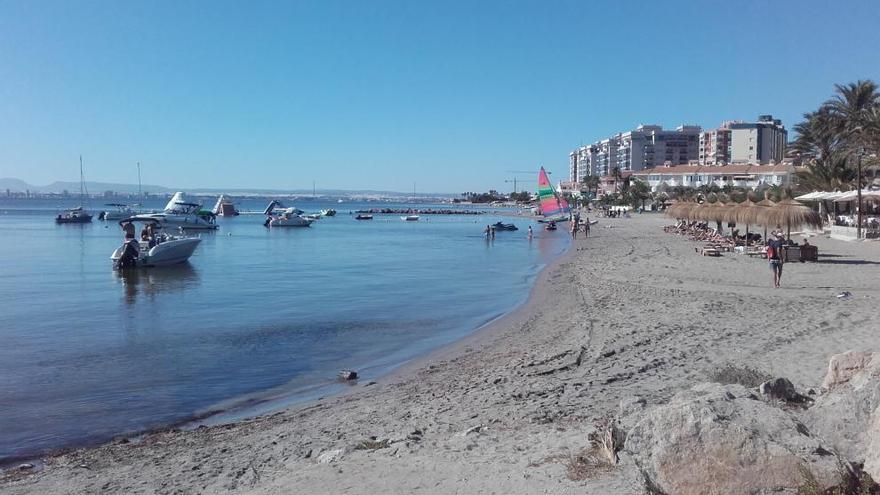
x=724 y=439
x=842 y=367
x=844 y=414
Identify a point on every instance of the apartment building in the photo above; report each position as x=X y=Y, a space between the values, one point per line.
x=740 y=175
x=736 y=141
x=644 y=147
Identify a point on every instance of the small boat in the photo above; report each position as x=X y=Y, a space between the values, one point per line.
x=313 y=216
x=120 y=212
x=362 y=216
x=74 y=215
x=550 y=225
x=277 y=215
x=504 y=226
x=224 y=207
x=330 y=212
x=554 y=207
x=162 y=250
x=78 y=214
x=410 y=218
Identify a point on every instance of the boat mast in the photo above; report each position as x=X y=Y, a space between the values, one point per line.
x=140 y=194
x=81 y=182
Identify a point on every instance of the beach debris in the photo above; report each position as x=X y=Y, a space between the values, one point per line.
x=347 y=375
x=718 y=436
x=845 y=295
x=25 y=466
x=330 y=456
x=372 y=443
x=607 y=440
x=472 y=429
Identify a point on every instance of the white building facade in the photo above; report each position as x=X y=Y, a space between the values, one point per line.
x=750 y=176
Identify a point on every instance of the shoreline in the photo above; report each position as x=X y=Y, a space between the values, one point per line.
x=241 y=413
x=630 y=316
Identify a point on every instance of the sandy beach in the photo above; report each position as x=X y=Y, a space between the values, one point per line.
x=631 y=312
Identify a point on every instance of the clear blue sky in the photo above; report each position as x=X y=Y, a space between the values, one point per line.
x=381 y=94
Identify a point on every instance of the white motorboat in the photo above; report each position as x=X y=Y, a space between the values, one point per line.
x=179 y=213
x=328 y=212
x=119 y=212
x=277 y=215
x=312 y=216
x=410 y=218
x=162 y=250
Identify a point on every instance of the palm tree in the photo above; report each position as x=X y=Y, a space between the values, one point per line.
x=639 y=191
x=615 y=172
x=853 y=107
x=592 y=182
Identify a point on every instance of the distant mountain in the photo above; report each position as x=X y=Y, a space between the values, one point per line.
x=18 y=185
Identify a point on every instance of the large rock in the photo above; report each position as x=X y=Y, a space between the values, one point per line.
x=842 y=367
x=842 y=415
x=723 y=439
x=872 y=450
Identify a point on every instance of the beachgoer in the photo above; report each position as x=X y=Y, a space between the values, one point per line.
x=587 y=227
x=493 y=232
x=574 y=229
x=530 y=231
x=128 y=230
x=774 y=257
x=487 y=232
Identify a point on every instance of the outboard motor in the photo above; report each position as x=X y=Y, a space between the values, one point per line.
x=130 y=252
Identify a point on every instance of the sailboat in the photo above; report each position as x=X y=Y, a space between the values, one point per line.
x=554 y=207
x=78 y=214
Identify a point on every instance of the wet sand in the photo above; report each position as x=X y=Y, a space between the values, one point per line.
x=629 y=312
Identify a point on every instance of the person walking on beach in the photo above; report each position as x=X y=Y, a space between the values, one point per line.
x=530 y=232
x=774 y=257
x=574 y=229
x=587 y=227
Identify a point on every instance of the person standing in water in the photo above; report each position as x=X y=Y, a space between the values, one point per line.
x=530 y=232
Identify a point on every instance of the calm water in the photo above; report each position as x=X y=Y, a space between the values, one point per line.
x=256 y=314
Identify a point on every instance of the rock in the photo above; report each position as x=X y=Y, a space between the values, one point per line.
x=842 y=367
x=348 y=375
x=717 y=439
x=843 y=415
x=330 y=456
x=779 y=388
x=872 y=452
x=26 y=466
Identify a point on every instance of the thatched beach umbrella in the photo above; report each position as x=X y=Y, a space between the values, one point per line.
x=747 y=212
x=790 y=213
x=764 y=203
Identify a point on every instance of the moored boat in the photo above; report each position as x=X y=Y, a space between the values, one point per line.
x=277 y=215
x=181 y=214
x=504 y=226
x=363 y=216
x=77 y=214
x=161 y=249
x=410 y=218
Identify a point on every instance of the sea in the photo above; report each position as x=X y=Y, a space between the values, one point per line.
x=258 y=319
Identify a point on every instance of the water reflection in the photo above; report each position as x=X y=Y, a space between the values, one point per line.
x=158 y=280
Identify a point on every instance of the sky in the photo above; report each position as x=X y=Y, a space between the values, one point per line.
x=448 y=95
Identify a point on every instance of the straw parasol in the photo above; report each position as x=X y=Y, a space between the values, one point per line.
x=746 y=212
x=764 y=203
x=790 y=213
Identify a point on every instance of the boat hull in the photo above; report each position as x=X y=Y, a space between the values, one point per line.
x=77 y=219
x=186 y=222
x=168 y=253
x=290 y=222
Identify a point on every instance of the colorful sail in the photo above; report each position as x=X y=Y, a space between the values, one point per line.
x=551 y=204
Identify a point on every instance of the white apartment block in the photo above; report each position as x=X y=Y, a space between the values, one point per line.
x=749 y=176
x=644 y=147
